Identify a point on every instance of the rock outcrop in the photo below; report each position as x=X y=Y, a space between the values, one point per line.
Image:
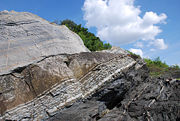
x=116 y=50
x=26 y=38
x=46 y=73
x=39 y=90
x=88 y=86
x=133 y=96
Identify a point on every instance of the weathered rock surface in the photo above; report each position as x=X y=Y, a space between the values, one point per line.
x=26 y=38
x=88 y=87
x=172 y=74
x=116 y=50
x=41 y=89
x=38 y=81
x=132 y=96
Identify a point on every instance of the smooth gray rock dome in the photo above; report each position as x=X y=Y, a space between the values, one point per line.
x=26 y=38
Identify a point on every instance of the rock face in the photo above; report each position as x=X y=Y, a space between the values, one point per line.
x=26 y=38
x=39 y=90
x=44 y=77
x=132 y=96
x=88 y=87
x=116 y=50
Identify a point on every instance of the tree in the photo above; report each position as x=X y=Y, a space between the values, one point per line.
x=92 y=42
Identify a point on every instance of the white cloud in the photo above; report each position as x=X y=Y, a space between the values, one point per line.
x=137 y=51
x=152 y=18
x=159 y=43
x=119 y=21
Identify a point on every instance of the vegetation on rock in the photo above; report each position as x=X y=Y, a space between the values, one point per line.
x=92 y=42
x=157 y=67
x=133 y=55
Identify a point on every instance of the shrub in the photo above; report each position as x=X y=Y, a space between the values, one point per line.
x=158 y=68
x=92 y=42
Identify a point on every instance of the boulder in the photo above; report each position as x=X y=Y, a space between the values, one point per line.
x=26 y=38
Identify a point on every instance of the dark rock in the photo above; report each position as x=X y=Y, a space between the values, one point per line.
x=41 y=89
x=132 y=97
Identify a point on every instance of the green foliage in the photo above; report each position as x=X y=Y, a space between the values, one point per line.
x=156 y=62
x=107 y=46
x=158 y=68
x=175 y=67
x=92 y=42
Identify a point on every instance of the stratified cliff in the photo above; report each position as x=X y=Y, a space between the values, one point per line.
x=132 y=96
x=41 y=89
x=69 y=83
x=88 y=86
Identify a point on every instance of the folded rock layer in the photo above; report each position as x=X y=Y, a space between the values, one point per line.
x=41 y=89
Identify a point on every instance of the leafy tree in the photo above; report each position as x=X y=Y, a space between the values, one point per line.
x=107 y=46
x=92 y=42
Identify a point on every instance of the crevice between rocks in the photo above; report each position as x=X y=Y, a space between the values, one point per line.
x=18 y=23
x=19 y=69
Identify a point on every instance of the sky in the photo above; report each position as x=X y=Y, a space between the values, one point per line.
x=149 y=28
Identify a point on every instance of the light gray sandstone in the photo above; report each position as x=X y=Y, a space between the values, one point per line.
x=26 y=38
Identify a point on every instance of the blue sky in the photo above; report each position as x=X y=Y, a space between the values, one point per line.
x=72 y=9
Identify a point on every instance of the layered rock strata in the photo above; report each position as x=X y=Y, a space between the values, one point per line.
x=43 y=76
x=41 y=89
x=132 y=96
